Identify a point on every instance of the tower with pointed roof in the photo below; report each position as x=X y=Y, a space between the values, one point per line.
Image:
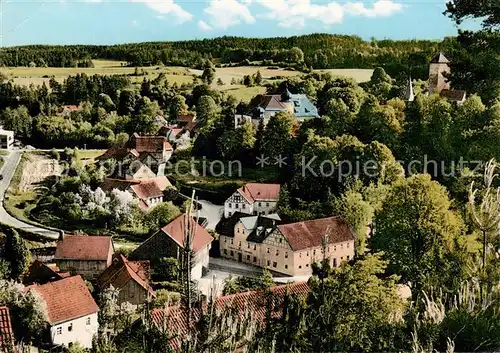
x=438 y=67
x=409 y=93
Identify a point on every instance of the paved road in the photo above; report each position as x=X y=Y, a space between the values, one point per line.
x=7 y=171
x=211 y=212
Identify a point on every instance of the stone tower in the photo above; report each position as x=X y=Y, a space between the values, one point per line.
x=437 y=81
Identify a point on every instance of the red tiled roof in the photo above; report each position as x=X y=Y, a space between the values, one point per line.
x=66 y=299
x=185 y=118
x=6 y=333
x=70 y=107
x=152 y=144
x=147 y=189
x=122 y=271
x=176 y=231
x=260 y=192
x=173 y=319
x=273 y=102
x=39 y=272
x=109 y=184
x=80 y=247
x=309 y=234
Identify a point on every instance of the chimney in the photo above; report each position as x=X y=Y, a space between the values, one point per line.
x=61 y=235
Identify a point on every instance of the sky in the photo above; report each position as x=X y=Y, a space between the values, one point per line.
x=122 y=21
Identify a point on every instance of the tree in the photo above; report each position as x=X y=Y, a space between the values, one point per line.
x=16 y=252
x=208 y=75
x=248 y=80
x=258 y=78
x=277 y=137
x=168 y=269
x=296 y=55
x=161 y=215
x=220 y=82
x=420 y=234
x=18 y=120
x=178 y=107
x=206 y=111
x=127 y=101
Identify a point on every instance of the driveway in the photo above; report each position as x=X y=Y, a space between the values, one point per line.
x=213 y=213
x=7 y=171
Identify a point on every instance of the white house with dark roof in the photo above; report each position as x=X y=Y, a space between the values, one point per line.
x=298 y=105
x=72 y=312
x=253 y=199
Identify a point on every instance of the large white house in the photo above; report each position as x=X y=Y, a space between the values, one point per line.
x=253 y=199
x=72 y=312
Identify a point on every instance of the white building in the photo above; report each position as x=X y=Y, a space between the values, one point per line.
x=253 y=199
x=72 y=312
x=6 y=139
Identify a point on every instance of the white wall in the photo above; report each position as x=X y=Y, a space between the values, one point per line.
x=81 y=332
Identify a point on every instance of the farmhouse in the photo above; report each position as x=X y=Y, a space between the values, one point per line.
x=72 y=312
x=170 y=241
x=84 y=255
x=141 y=157
x=297 y=104
x=288 y=248
x=149 y=192
x=173 y=320
x=7 y=342
x=130 y=277
x=253 y=199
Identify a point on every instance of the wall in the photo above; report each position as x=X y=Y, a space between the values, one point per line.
x=133 y=293
x=88 y=269
x=81 y=331
x=437 y=82
x=336 y=253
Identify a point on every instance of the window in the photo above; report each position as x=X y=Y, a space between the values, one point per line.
x=225 y=251
x=275 y=264
x=268 y=263
x=307 y=265
x=254 y=259
x=225 y=240
x=243 y=206
x=307 y=254
x=236 y=206
x=277 y=252
x=341 y=258
x=314 y=252
x=267 y=204
x=268 y=250
x=255 y=247
x=341 y=246
x=229 y=214
x=335 y=262
x=347 y=257
x=232 y=241
x=300 y=255
x=260 y=204
x=70 y=327
x=248 y=257
x=286 y=267
x=237 y=230
x=300 y=267
x=59 y=331
x=248 y=245
x=232 y=253
x=240 y=243
x=286 y=255
x=230 y=205
x=335 y=248
x=281 y=240
x=347 y=245
x=88 y=321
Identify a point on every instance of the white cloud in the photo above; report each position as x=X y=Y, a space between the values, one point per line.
x=204 y=26
x=380 y=8
x=167 y=7
x=226 y=13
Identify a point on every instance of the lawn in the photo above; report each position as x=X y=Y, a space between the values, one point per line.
x=242 y=93
x=89 y=156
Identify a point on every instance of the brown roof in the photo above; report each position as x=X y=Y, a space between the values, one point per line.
x=273 y=102
x=151 y=144
x=82 y=247
x=147 y=189
x=39 y=272
x=309 y=234
x=6 y=333
x=185 y=118
x=176 y=231
x=453 y=95
x=260 y=192
x=122 y=271
x=109 y=184
x=66 y=299
x=174 y=319
x=118 y=153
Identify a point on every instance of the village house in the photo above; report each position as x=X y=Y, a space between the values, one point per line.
x=438 y=83
x=42 y=273
x=288 y=248
x=6 y=139
x=149 y=192
x=141 y=157
x=72 y=312
x=253 y=199
x=181 y=131
x=131 y=278
x=84 y=255
x=7 y=342
x=298 y=105
x=172 y=319
x=170 y=241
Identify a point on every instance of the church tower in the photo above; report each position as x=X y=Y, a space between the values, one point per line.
x=437 y=81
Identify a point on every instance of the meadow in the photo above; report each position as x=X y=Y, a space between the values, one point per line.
x=174 y=74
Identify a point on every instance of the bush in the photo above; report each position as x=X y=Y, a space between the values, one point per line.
x=166 y=298
x=167 y=269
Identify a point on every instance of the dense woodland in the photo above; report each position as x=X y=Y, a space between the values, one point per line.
x=434 y=225
x=318 y=51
